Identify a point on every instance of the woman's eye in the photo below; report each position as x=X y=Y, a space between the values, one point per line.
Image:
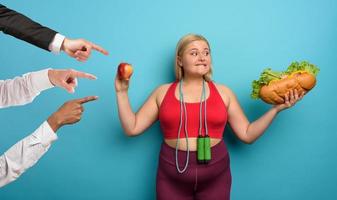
x=194 y=53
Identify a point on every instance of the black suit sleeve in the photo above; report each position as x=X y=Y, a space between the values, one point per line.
x=21 y=27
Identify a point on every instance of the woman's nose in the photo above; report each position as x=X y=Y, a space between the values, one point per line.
x=201 y=57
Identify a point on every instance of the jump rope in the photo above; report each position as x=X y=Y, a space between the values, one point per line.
x=203 y=141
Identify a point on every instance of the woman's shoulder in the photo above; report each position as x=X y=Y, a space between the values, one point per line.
x=225 y=92
x=223 y=89
x=161 y=90
x=164 y=87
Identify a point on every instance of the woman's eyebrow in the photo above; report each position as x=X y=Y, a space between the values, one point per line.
x=197 y=49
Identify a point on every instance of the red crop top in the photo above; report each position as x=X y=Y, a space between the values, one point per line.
x=169 y=115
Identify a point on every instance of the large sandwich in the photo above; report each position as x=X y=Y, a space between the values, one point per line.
x=273 y=86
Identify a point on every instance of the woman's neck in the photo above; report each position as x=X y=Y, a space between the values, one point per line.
x=196 y=81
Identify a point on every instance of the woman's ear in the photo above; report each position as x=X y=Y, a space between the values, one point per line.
x=179 y=62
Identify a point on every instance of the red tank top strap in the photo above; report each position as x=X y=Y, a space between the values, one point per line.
x=212 y=86
x=169 y=96
x=215 y=92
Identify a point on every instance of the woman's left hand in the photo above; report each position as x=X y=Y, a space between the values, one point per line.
x=290 y=99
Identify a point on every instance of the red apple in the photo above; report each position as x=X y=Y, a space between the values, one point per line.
x=125 y=71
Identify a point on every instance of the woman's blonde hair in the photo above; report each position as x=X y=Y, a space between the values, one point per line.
x=181 y=47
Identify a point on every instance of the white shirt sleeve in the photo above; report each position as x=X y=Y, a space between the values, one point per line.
x=55 y=45
x=25 y=153
x=23 y=90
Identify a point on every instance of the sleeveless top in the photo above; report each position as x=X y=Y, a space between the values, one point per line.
x=169 y=115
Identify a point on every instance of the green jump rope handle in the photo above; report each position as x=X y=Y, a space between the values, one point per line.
x=201 y=149
x=207 y=150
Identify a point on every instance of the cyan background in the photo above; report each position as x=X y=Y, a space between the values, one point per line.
x=295 y=159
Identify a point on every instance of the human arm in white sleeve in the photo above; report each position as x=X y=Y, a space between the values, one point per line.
x=23 y=90
x=29 y=150
x=25 y=153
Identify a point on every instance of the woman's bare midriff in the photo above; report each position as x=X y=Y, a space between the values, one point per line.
x=192 y=143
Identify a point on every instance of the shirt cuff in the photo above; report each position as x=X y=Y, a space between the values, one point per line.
x=55 y=45
x=40 y=80
x=46 y=134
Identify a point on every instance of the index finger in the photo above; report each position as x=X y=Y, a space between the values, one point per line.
x=99 y=48
x=87 y=99
x=83 y=75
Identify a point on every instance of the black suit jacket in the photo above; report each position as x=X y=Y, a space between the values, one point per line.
x=21 y=27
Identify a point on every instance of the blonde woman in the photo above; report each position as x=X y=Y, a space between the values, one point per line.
x=193 y=112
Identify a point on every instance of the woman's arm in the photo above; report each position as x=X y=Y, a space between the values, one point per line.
x=249 y=132
x=135 y=123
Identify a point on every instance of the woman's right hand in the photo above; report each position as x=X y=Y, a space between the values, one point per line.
x=290 y=99
x=121 y=85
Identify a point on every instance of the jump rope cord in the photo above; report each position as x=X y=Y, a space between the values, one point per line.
x=203 y=101
x=183 y=106
x=205 y=120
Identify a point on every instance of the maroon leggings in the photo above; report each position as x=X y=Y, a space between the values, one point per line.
x=199 y=181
